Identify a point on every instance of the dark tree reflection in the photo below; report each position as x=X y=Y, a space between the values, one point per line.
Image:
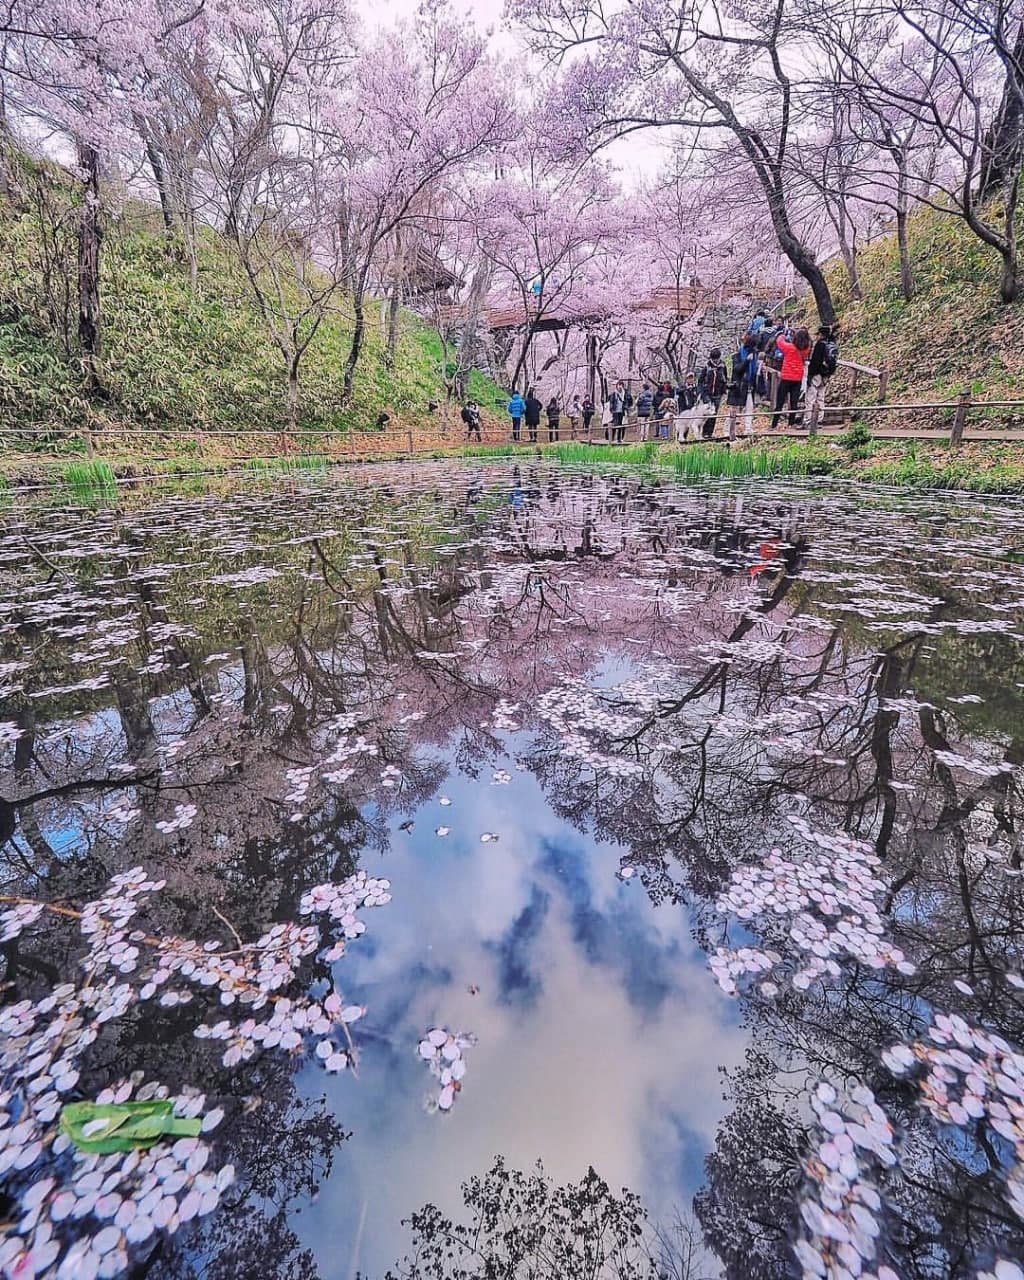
x=524 y=1226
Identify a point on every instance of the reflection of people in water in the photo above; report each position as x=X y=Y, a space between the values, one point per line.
x=769 y=557
x=515 y=498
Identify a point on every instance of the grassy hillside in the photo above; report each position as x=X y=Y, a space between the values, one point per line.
x=174 y=357
x=954 y=334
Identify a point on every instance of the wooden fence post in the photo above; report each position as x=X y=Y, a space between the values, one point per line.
x=409 y=434
x=963 y=401
x=812 y=421
x=883 y=384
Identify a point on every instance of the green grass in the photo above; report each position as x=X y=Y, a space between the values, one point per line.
x=705 y=460
x=297 y=462
x=637 y=455
x=90 y=480
x=701 y=462
x=921 y=473
x=954 y=333
x=495 y=450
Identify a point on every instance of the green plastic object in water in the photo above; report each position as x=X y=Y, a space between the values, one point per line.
x=103 y=1127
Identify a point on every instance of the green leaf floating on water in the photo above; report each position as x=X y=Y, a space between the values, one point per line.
x=103 y=1127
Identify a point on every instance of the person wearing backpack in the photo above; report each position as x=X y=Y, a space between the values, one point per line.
x=531 y=412
x=516 y=409
x=714 y=378
x=554 y=413
x=822 y=365
x=791 y=376
x=742 y=386
x=471 y=417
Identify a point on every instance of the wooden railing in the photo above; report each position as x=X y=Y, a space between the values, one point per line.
x=224 y=447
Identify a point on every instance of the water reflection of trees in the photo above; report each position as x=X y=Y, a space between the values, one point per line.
x=783 y=673
x=523 y=1226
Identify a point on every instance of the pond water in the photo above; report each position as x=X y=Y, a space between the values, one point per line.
x=498 y=814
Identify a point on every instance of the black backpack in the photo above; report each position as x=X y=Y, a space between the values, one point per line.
x=714 y=379
x=830 y=361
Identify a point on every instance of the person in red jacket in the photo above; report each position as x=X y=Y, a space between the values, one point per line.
x=795 y=355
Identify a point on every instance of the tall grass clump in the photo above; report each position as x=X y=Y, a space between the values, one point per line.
x=704 y=461
x=719 y=461
x=300 y=462
x=509 y=449
x=91 y=479
x=580 y=452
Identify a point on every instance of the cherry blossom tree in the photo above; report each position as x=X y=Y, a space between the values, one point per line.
x=696 y=69
x=551 y=256
x=427 y=100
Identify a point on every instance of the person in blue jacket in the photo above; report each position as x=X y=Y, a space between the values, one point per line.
x=516 y=409
x=743 y=386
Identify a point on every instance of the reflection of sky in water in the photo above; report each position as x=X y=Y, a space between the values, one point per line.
x=600 y=1029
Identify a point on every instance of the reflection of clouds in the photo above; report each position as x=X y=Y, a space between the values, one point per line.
x=518 y=982
x=619 y=936
x=600 y=1029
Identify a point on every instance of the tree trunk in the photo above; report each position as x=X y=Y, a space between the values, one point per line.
x=852 y=273
x=90 y=234
x=523 y=354
x=393 y=307
x=292 y=402
x=1009 y=286
x=355 y=350
x=794 y=248
x=1005 y=141
x=811 y=272
x=160 y=178
x=906 y=271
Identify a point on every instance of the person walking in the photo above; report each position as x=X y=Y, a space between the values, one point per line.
x=791 y=376
x=820 y=367
x=516 y=409
x=554 y=414
x=575 y=414
x=471 y=417
x=588 y=414
x=645 y=408
x=714 y=378
x=532 y=409
x=617 y=404
x=742 y=387
x=606 y=417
